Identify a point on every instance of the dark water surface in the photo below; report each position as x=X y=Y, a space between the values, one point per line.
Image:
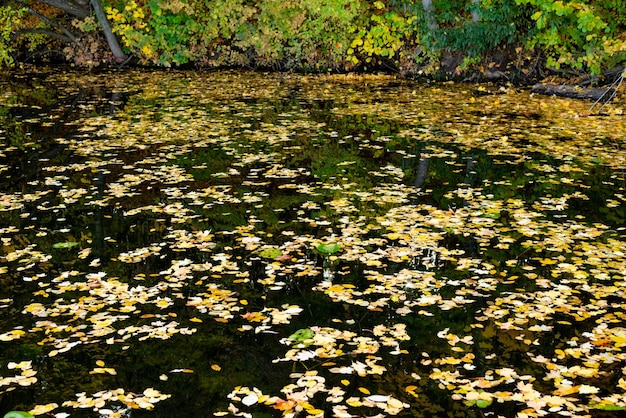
x=165 y=235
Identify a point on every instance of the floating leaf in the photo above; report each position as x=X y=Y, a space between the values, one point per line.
x=483 y=403
x=587 y=389
x=66 y=244
x=302 y=335
x=18 y=414
x=270 y=252
x=606 y=406
x=378 y=398
x=507 y=235
x=250 y=399
x=45 y=409
x=328 y=248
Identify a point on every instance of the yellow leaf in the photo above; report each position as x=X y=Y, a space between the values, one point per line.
x=22 y=365
x=84 y=253
x=587 y=389
x=364 y=390
x=354 y=402
x=12 y=335
x=181 y=371
x=43 y=409
x=619 y=339
x=102 y=370
x=566 y=390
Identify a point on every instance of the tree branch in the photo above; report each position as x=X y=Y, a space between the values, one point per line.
x=55 y=25
x=80 y=9
x=47 y=32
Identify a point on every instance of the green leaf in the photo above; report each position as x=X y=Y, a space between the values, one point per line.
x=18 y=414
x=271 y=252
x=328 y=248
x=67 y=244
x=483 y=403
x=492 y=215
x=302 y=335
x=606 y=406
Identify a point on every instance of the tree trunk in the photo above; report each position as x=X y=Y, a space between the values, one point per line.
x=575 y=92
x=108 y=33
x=429 y=13
x=475 y=11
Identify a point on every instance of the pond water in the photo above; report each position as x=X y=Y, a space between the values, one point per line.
x=252 y=244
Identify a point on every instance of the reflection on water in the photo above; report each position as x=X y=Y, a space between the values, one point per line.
x=136 y=207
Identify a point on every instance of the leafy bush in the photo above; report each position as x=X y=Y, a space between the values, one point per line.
x=578 y=34
x=8 y=19
x=472 y=28
x=388 y=35
x=327 y=34
x=157 y=31
x=221 y=25
x=310 y=33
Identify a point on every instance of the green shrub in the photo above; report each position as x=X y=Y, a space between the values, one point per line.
x=10 y=20
x=578 y=34
x=309 y=33
x=387 y=35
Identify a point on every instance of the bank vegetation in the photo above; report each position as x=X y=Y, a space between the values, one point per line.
x=490 y=39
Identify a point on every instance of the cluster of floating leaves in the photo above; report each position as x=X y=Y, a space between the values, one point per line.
x=331 y=345
x=352 y=224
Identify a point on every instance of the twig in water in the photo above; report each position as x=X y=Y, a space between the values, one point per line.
x=617 y=81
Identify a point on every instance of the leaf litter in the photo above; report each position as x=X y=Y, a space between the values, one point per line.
x=239 y=197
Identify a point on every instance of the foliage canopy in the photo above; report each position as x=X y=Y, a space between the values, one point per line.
x=318 y=35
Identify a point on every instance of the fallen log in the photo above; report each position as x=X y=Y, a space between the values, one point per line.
x=575 y=92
